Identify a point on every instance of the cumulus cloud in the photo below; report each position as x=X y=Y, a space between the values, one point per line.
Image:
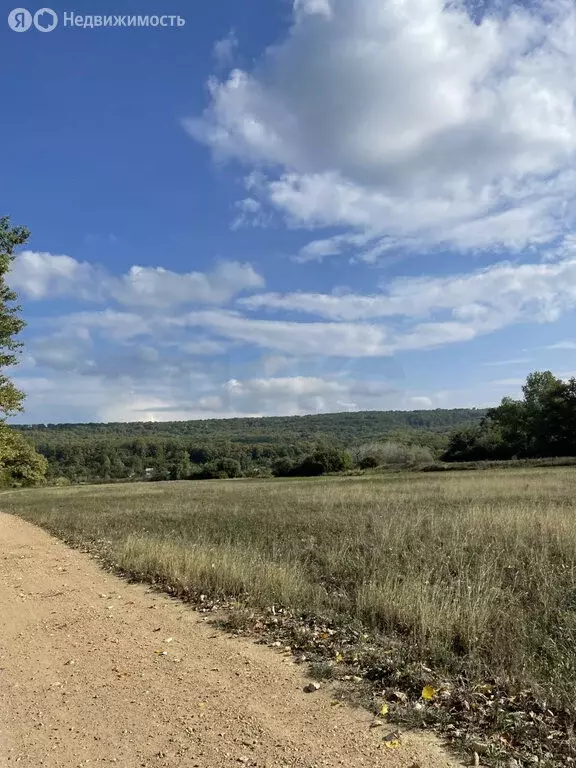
x=40 y=275
x=72 y=396
x=159 y=287
x=46 y=276
x=411 y=121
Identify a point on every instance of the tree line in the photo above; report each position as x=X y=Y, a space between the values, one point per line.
x=540 y=425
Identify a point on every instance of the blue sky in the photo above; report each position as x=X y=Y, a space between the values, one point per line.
x=291 y=207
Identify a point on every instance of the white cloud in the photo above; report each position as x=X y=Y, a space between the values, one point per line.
x=407 y=120
x=421 y=402
x=325 y=339
x=113 y=325
x=39 y=275
x=45 y=276
x=250 y=213
x=303 y=8
x=202 y=347
x=565 y=345
x=490 y=298
x=158 y=287
x=71 y=396
x=224 y=50
x=504 y=363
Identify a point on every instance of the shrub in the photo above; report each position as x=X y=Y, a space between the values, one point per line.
x=221 y=469
x=392 y=453
x=322 y=461
x=283 y=467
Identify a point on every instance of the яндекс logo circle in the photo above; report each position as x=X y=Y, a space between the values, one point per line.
x=20 y=20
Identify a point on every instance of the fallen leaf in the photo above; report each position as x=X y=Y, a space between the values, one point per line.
x=383 y=710
x=428 y=692
x=392 y=744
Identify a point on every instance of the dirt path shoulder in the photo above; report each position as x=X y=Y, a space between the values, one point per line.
x=95 y=671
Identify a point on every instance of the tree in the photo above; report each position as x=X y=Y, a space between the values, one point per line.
x=542 y=424
x=325 y=459
x=10 y=322
x=19 y=462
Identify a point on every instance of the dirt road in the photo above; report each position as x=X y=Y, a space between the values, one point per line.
x=84 y=680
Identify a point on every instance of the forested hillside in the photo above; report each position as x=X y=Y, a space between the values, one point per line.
x=346 y=427
x=231 y=447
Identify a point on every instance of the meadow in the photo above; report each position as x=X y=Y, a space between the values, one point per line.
x=475 y=573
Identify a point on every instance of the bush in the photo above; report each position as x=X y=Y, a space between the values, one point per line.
x=368 y=462
x=283 y=467
x=392 y=453
x=322 y=461
x=20 y=464
x=61 y=482
x=221 y=469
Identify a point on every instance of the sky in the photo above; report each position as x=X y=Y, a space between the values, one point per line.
x=290 y=206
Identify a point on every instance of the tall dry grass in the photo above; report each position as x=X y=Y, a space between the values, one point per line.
x=474 y=572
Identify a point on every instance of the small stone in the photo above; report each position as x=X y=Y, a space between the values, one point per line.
x=312 y=687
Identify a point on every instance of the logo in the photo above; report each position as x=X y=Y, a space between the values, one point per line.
x=45 y=20
x=20 y=20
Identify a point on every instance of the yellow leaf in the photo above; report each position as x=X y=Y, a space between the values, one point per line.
x=384 y=709
x=339 y=658
x=428 y=692
x=202 y=704
x=392 y=744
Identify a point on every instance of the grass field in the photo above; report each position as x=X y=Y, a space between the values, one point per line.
x=475 y=573
x=474 y=570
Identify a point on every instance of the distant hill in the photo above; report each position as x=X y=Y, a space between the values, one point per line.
x=348 y=428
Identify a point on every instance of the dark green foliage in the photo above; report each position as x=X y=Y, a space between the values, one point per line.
x=542 y=424
x=20 y=465
x=324 y=460
x=222 y=469
x=85 y=453
x=346 y=428
x=368 y=462
x=284 y=467
x=10 y=322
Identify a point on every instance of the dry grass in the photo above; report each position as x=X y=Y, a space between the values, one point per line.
x=475 y=572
